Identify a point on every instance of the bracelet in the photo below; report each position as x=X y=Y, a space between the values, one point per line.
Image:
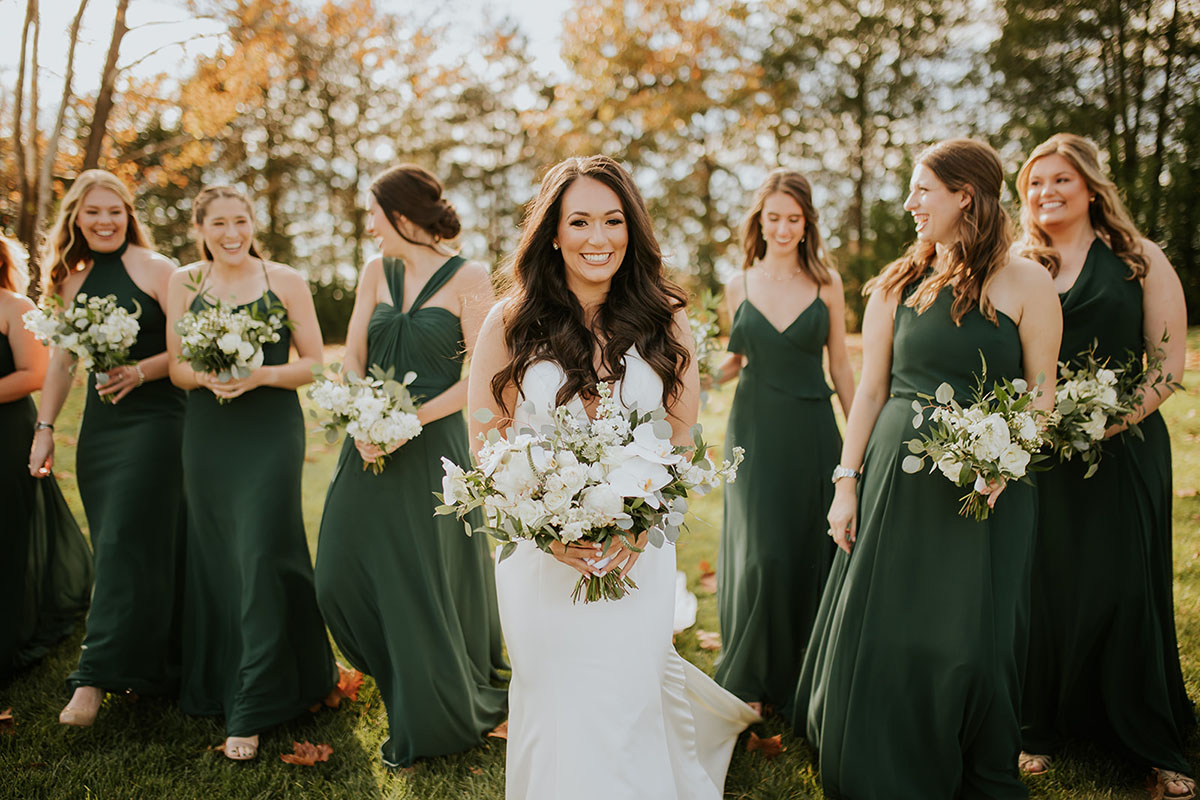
x=141 y=375
x=43 y=426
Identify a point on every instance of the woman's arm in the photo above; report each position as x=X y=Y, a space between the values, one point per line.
x=839 y=357
x=366 y=297
x=179 y=297
x=1164 y=313
x=30 y=357
x=874 y=388
x=489 y=357
x=1040 y=329
x=684 y=408
x=731 y=367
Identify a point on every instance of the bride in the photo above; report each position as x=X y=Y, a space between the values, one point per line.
x=601 y=704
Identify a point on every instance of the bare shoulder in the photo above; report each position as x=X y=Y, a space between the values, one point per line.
x=371 y=270
x=12 y=306
x=1154 y=253
x=1024 y=274
x=836 y=288
x=152 y=260
x=735 y=290
x=289 y=278
x=473 y=276
x=187 y=275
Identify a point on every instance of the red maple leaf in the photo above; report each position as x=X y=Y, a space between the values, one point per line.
x=769 y=747
x=306 y=754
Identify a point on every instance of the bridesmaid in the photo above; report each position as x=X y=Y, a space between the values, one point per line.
x=775 y=556
x=390 y=575
x=130 y=474
x=912 y=678
x=1103 y=660
x=48 y=565
x=255 y=647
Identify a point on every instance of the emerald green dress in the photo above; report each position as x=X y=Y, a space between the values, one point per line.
x=409 y=598
x=47 y=562
x=255 y=647
x=1103 y=659
x=131 y=483
x=775 y=553
x=911 y=684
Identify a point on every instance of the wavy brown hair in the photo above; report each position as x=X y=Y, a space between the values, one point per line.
x=985 y=234
x=14 y=269
x=66 y=250
x=1107 y=214
x=544 y=321
x=811 y=255
x=200 y=210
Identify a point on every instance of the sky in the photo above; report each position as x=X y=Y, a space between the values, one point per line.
x=156 y=24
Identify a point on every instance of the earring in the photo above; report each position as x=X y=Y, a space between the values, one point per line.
x=554 y=245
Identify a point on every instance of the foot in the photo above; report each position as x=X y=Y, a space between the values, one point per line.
x=83 y=708
x=756 y=707
x=1032 y=764
x=241 y=748
x=1175 y=785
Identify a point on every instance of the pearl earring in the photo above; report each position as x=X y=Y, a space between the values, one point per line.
x=555 y=245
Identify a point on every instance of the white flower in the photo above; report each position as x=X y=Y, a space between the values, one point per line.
x=648 y=445
x=604 y=501
x=991 y=437
x=950 y=468
x=1106 y=376
x=228 y=343
x=529 y=511
x=1096 y=425
x=1014 y=460
x=1027 y=428
x=454 y=484
x=637 y=477
x=515 y=476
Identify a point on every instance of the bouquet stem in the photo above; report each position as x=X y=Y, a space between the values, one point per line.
x=974 y=505
x=610 y=586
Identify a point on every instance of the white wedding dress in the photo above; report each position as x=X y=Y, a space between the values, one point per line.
x=601 y=705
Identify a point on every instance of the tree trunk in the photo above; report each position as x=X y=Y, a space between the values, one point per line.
x=44 y=188
x=25 y=157
x=1154 y=173
x=108 y=82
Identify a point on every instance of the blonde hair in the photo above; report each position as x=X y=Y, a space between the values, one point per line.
x=14 y=267
x=200 y=210
x=1107 y=214
x=811 y=255
x=985 y=234
x=66 y=249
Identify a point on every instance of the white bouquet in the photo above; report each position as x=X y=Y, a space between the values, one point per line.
x=378 y=410
x=227 y=341
x=705 y=322
x=1092 y=397
x=94 y=330
x=585 y=480
x=995 y=439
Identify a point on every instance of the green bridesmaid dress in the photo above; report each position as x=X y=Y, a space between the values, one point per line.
x=131 y=484
x=408 y=597
x=47 y=562
x=255 y=647
x=775 y=553
x=910 y=688
x=1103 y=659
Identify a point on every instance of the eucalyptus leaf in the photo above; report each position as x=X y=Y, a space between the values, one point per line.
x=655 y=537
x=409 y=377
x=508 y=550
x=917 y=420
x=944 y=394
x=493 y=436
x=1066 y=406
x=662 y=429
x=331 y=435
x=916 y=446
x=1091 y=470
x=912 y=464
x=483 y=415
x=917 y=407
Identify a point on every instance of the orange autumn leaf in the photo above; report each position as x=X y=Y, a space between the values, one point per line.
x=769 y=747
x=705 y=567
x=708 y=582
x=501 y=731
x=7 y=724
x=709 y=640
x=306 y=754
x=349 y=681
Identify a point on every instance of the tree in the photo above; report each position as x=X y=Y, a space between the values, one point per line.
x=108 y=81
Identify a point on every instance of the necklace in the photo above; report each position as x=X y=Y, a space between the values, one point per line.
x=788 y=277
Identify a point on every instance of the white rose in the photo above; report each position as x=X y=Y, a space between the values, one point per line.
x=1095 y=426
x=228 y=343
x=1028 y=428
x=1013 y=460
x=1106 y=377
x=1108 y=396
x=991 y=437
x=514 y=476
x=530 y=512
x=950 y=468
x=603 y=501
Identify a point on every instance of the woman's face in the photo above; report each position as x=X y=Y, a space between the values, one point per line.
x=1057 y=195
x=935 y=209
x=102 y=219
x=228 y=230
x=380 y=228
x=783 y=222
x=592 y=234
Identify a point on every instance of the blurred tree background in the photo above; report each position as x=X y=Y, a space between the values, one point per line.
x=304 y=101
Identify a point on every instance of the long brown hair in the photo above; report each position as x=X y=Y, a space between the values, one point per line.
x=544 y=319
x=66 y=250
x=14 y=269
x=200 y=210
x=1107 y=214
x=985 y=234
x=414 y=192
x=811 y=255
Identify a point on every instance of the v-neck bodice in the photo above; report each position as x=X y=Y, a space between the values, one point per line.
x=427 y=340
x=789 y=360
x=1104 y=306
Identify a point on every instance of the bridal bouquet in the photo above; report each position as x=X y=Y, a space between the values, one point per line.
x=705 y=322
x=582 y=480
x=994 y=439
x=1093 y=396
x=94 y=330
x=227 y=341
x=378 y=410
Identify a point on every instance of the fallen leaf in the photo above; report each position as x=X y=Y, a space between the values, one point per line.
x=1189 y=492
x=475 y=770
x=7 y=724
x=349 y=681
x=709 y=640
x=769 y=747
x=306 y=754
x=1154 y=787
x=708 y=582
x=501 y=731
x=705 y=566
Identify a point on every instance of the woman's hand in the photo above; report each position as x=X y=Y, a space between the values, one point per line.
x=843 y=514
x=580 y=556
x=371 y=453
x=621 y=555
x=234 y=387
x=41 y=453
x=120 y=382
x=992 y=491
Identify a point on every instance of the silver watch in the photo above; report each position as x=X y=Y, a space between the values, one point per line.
x=840 y=472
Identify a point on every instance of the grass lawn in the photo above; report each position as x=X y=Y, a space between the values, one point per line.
x=149 y=749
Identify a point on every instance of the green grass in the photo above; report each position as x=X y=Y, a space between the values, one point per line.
x=148 y=749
